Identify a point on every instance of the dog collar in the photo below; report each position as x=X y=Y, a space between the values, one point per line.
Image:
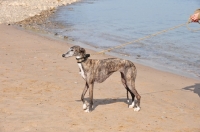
x=82 y=59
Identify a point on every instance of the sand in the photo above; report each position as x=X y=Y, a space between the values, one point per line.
x=40 y=92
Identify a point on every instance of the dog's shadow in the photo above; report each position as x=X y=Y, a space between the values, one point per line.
x=195 y=88
x=98 y=102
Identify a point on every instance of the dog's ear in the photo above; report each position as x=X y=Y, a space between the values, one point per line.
x=82 y=50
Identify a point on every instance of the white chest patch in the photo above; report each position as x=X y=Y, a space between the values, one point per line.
x=81 y=72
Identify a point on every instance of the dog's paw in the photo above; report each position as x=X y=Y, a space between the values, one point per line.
x=87 y=110
x=84 y=106
x=132 y=105
x=137 y=108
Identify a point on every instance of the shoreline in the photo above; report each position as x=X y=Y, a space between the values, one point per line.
x=40 y=31
x=40 y=91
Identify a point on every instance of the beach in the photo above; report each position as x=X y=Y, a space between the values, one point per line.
x=40 y=92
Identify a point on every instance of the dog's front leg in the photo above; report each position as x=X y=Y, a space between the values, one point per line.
x=91 y=97
x=83 y=95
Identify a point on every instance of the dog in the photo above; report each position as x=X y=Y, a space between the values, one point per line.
x=93 y=70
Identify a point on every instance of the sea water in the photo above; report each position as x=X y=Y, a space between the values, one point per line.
x=107 y=23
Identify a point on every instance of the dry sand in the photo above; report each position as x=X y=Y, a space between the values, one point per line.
x=40 y=92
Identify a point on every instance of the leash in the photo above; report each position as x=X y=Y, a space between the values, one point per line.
x=146 y=37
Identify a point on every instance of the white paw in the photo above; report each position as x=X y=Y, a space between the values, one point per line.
x=137 y=109
x=84 y=106
x=87 y=110
x=132 y=105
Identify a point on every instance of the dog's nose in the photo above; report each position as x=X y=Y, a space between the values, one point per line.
x=63 y=55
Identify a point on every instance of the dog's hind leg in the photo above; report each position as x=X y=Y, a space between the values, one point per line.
x=130 y=75
x=132 y=95
x=124 y=84
x=83 y=95
x=127 y=96
x=131 y=85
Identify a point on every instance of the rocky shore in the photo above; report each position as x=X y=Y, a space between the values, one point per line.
x=12 y=11
x=38 y=22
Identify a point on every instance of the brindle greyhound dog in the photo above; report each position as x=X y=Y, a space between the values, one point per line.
x=93 y=70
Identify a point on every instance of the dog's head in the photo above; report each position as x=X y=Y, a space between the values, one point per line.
x=75 y=51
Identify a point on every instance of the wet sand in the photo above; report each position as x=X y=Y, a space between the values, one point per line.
x=40 y=91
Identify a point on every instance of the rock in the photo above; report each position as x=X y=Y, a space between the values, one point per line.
x=65 y=37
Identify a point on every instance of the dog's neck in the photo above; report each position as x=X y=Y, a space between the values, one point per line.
x=83 y=58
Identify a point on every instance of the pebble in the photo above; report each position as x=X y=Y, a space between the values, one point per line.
x=12 y=11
